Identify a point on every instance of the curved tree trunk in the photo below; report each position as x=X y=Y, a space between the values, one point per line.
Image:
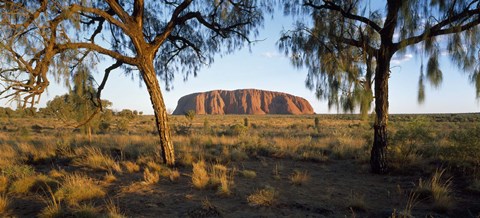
x=378 y=158
x=153 y=87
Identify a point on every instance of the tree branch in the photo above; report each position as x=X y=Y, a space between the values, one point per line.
x=334 y=7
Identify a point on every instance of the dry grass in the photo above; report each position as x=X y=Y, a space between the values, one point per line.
x=54 y=206
x=250 y=174
x=113 y=211
x=23 y=185
x=150 y=178
x=439 y=191
x=356 y=202
x=87 y=211
x=299 y=177
x=154 y=166
x=4 y=202
x=3 y=184
x=93 y=158
x=262 y=197
x=131 y=167
x=174 y=175
x=109 y=177
x=200 y=177
x=77 y=188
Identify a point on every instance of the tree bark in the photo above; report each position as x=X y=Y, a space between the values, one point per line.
x=153 y=87
x=378 y=158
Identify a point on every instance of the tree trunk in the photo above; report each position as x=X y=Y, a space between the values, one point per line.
x=378 y=158
x=153 y=87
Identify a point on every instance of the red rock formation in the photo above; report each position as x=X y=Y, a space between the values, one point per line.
x=243 y=101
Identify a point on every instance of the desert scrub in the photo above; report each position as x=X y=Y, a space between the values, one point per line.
x=299 y=177
x=262 y=197
x=200 y=177
x=77 y=188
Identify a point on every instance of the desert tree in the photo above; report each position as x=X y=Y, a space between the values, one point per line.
x=148 y=38
x=348 y=47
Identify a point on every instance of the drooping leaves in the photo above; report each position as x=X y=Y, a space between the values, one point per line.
x=434 y=74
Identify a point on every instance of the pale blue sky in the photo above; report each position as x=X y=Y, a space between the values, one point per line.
x=265 y=68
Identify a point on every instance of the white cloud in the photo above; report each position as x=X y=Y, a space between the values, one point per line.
x=400 y=59
x=270 y=54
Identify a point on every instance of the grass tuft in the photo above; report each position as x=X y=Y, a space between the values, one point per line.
x=357 y=202
x=131 y=167
x=93 y=158
x=77 y=188
x=299 y=178
x=200 y=177
x=149 y=177
x=262 y=197
x=439 y=191
x=112 y=210
x=250 y=174
x=4 y=202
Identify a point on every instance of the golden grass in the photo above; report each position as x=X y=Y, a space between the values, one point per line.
x=149 y=177
x=200 y=177
x=154 y=166
x=262 y=197
x=3 y=184
x=23 y=185
x=86 y=211
x=53 y=208
x=113 y=211
x=299 y=177
x=4 y=203
x=109 y=177
x=77 y=188
x=438 y=190
x=93 y=158
x=131 y=167
x=174 y=175
x=8 y=156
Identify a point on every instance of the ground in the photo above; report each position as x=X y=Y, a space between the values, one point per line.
x=299 y=169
